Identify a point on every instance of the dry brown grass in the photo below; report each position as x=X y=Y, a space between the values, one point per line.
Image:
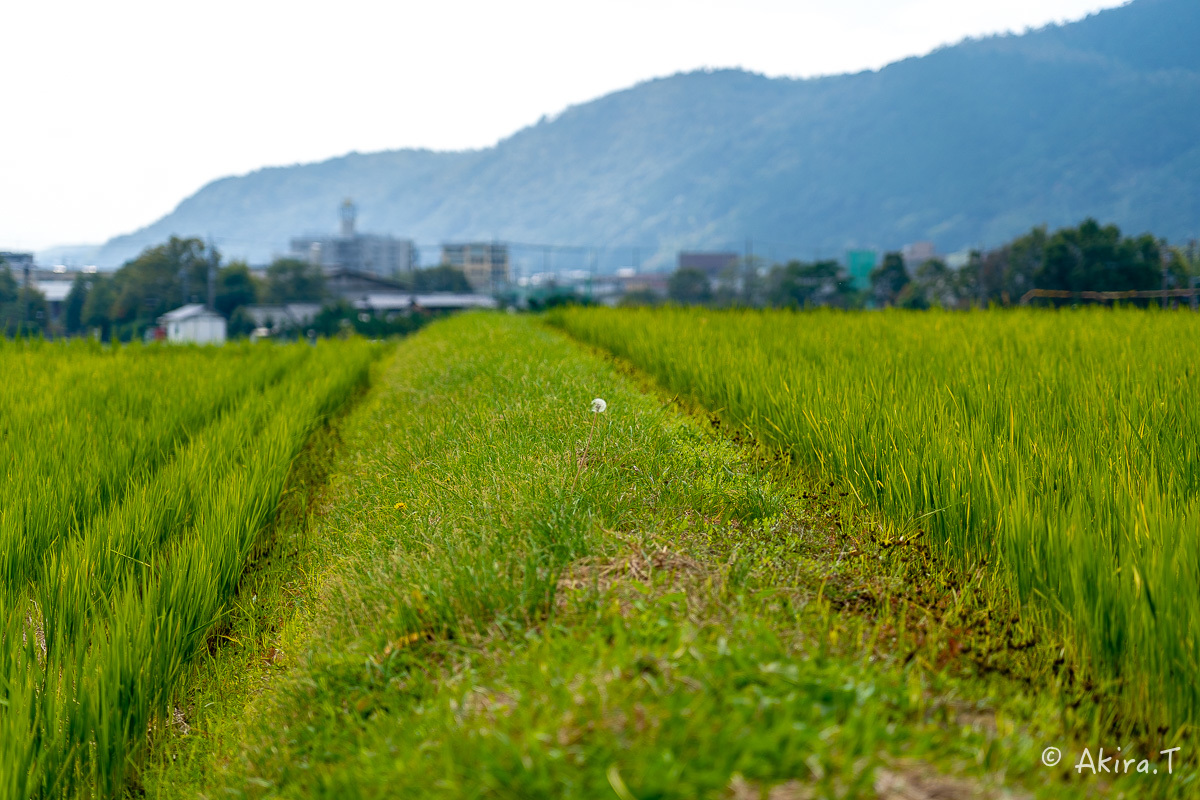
x=656 y=571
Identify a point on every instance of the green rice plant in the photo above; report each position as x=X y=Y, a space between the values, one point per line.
x=1063 y=448
x=87 y=423
x=97 y=632
x=81 y=575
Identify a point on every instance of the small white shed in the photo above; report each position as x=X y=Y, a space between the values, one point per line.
x=193 y=323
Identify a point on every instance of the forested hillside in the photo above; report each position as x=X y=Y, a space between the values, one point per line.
x=966 y=146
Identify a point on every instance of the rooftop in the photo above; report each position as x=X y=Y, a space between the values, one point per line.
x=187 y=312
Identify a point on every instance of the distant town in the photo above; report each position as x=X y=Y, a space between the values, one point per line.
x=374 y=283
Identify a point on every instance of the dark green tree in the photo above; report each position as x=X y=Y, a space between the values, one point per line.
x=159 y=279
x=342 y=319
x=444 y=278
x=8 y=284
x=888 y=280
x=292 y=280
x=1097 y=258
x=98 y=305
x=912 y=297
x=798 y=284
x=1182 y=265
x=727 y=288
x=240 y=323
x=935 y=284
x=1024 y=258
x=22 y=309
x=1005 y=274
x=639 y=297
x=27 y=315
x=743 y=283
x=970 y=279
x=35 y=314
x=235 y=288
x=73 y=305
x=689 y=286
x=556 y=297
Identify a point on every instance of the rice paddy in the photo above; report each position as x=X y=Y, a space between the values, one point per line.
x=518 y=567
x=1061 y=451
x=513 y=595
x=136 y=482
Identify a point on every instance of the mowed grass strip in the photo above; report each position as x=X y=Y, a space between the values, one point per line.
x=1060 y=449
x=516 y=597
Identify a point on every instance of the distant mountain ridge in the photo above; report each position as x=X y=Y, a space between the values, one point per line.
x=969 y=145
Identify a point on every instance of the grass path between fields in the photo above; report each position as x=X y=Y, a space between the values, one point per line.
x=479 y=588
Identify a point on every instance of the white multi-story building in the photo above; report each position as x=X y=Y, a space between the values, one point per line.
x=484 y=263
x=384 y=256
x=916 y=254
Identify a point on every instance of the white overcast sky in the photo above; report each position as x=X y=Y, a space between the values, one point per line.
x=115 y=111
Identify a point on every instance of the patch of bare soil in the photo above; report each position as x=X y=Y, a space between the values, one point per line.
x=660 y=570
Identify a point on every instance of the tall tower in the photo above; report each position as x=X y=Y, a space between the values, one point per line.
x=349 y=212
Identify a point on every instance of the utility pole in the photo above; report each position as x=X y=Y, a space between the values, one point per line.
x=592 y=273
x=1164 y=257
x=1193 y=257
x=747 y=282
x=212 y=275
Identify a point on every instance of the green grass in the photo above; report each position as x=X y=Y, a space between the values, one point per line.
x=501 y=594
x=151 y=478
x=1062 y=450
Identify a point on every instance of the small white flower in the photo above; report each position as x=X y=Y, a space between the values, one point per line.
x=598 y=406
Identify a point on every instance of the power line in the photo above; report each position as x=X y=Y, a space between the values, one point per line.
x=589 y=253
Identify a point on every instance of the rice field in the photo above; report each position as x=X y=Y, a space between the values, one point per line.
x=1061 y=449
x=136 y=483
x=472 y=624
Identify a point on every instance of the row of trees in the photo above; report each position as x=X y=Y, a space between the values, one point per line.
x=21 y=309
x=1090 y=257
x=124 y=303
x=750 y=283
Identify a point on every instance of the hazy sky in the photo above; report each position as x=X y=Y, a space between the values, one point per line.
x=115 y=111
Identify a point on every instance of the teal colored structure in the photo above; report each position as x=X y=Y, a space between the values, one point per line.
x=859 y=264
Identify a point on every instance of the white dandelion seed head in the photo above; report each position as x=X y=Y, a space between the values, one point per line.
x=598 y=406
